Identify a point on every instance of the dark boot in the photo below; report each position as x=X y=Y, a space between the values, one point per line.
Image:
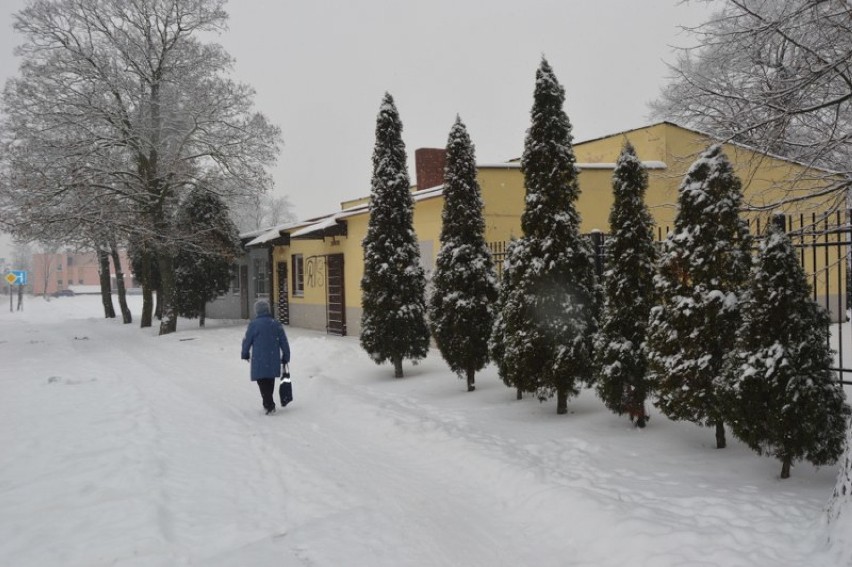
x=267 y=392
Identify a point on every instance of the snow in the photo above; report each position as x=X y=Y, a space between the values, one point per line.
x=84 y=289
x=267 y=236
x=124 y=448
x=327 y=222
x=649 y=164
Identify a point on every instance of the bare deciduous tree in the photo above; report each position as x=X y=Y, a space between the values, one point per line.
x=776 y=76
x=261 y=211
x=46 y=263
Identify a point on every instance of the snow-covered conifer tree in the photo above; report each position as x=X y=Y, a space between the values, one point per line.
x=510 y=305
x=547 y=320
x=785 y=400
x=702 y=272
x=461 y=307
x=628 y=292
x=210 y=245
x=393 y=323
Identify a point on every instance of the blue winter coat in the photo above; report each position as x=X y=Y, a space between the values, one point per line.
x=265 y=344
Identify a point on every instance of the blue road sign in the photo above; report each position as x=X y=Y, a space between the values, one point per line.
x=20 y=277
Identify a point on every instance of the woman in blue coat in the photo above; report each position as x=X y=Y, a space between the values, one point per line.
x=265 y=346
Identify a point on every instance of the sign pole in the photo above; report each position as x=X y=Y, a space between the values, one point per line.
x=17 y=277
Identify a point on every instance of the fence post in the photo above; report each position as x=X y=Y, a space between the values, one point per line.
x=848 y=244
x=780 y=221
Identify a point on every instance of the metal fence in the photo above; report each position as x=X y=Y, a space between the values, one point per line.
x=823 y=244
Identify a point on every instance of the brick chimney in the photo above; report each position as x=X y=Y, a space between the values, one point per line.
x=429 y=165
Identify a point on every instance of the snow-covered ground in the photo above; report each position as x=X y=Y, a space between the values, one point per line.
x=119 y=447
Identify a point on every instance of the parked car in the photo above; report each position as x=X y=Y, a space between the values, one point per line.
x=63 y=293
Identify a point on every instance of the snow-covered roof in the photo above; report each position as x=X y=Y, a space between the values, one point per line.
x=351 y=211
x=323 y=224
x=421 y=195
x=651 y=164
x=270 y=234
x=435 y=191
x=267 y=234
x=500 y=165
x=252 y=233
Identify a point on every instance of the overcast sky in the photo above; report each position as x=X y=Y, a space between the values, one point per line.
x=320 y=68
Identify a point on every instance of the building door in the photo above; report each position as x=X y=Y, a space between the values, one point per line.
x=244 y=292
x=335 y=313
x=283 y=300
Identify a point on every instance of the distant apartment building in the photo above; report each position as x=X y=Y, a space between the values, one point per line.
x=67 y=270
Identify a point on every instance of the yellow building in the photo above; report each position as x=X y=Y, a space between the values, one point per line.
x=317 y=265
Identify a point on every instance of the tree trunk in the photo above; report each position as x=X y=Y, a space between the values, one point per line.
x=147 y=294
x=561 y=401
x=46 y=278
x=158 y=302
x=471 y=375
x=397 y=367
x=785 y=467
x=720 y=434
x=119 y=284
x=150 y=171
x=202 y=313
x=147 y=306
x=106 y=287
x=520 y=395
x=168 y=324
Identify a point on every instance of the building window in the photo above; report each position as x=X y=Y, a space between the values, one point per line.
x=70 y=261
x=261 y=279
x=298 y=275
x=80 y=281
x=59 y=283
x=235 y=279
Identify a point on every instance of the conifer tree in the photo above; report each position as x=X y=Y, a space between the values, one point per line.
x=210 y=245
x=393 y=322
x=511 y=314
x=628 y=292
x=547 y=308
x=461 y=307
x=785 y=400
x=702 y=272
